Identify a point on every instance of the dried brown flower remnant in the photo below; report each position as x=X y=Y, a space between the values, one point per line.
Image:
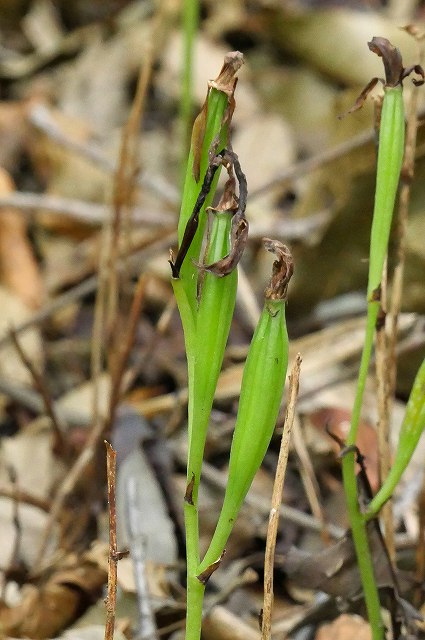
x=283 y=268
x=393 y=63
x=226 y=80
x=229 y=202
x=395 y=73
x=391 y=58
x=226 y=83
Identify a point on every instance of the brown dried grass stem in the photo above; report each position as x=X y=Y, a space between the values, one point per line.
x=60 y=445
x=277 y=499
x=111 y=599
x=308 y=477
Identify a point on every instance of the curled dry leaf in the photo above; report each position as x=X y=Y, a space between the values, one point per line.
x=283 y=268
x=335 y=571
x=226 y=78
x=44 y=611
x=18 y=267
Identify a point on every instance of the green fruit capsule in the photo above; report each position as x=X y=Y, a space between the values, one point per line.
x=214 y=315
x=390 y=157
x=261 y=395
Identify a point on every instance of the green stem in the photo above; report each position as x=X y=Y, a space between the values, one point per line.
x=195 y=599
x=190 y=25
x=361 y=543
x=358 y=524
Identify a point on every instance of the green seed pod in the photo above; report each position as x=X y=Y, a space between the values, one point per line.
x=215 y=312
x=390 y=157
x=261 y=394
x=411 y=430
x=217 y=297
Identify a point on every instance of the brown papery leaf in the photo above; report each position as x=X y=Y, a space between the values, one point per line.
x=226 y=79
x=18 y=267
x=198 y=133
x=45 y=611
x=335 y=570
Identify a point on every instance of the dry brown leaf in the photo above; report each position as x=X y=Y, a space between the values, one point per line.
x=18 y=268
x=222 y=624
x=334 y=570
x=45 y=611
x=13 y=313
x=346 y=627
x=12 y=133
x=337 y=420
x=65 y=172
x=19 y=452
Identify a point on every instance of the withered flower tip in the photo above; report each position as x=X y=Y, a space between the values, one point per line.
x=283 y=268
x=393 y=63
x=391 y=58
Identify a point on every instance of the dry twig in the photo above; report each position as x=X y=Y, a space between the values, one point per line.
x=111 y=599
x=308 y=477
x=60 y=445
x=277 y=500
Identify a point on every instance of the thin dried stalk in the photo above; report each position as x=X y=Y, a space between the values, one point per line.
x=308 y=478
x=277 y=499
x=60 y=445
x=19 y=495
x=111 y=599
x=147 y=629
x=100 y=427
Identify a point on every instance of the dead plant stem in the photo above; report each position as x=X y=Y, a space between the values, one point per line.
x=277 y=500
x=41 y=386
x=111 y=599
x=308 y=477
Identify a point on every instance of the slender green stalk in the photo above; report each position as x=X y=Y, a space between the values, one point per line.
x=205 y=303
x=190 y=24
x=390 y=156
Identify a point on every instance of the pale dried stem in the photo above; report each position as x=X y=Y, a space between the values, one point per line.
x=147 y=629
x=125 y=183
x=99 y=427
x=40 y=384
x=308 y=477
x=321 y=159
x=277 y=500
x=19 y=495
x=111 y=599
x=41 y=117
x=88 y=213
